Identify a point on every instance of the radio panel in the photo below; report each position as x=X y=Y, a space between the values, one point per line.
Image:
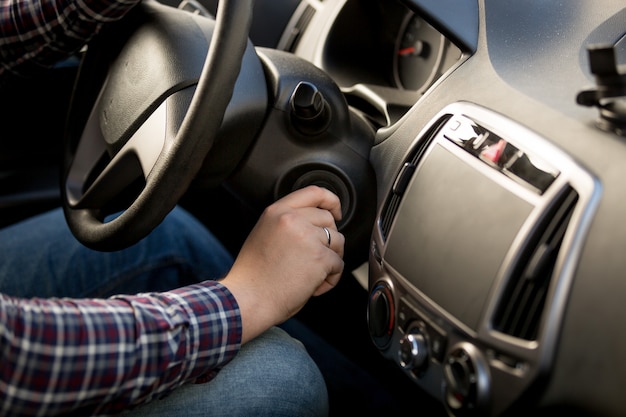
x=476 y=232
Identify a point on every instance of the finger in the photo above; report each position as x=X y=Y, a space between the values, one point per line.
x=318 y=217
x=328 y=236
x=333 y=239
x=338 y=242
x=314 y=196
x=324 y=288
x=331 y=280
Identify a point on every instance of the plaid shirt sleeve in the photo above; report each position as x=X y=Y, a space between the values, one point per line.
x=36 y=34
x=99 y=357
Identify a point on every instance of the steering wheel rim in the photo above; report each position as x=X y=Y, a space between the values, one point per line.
x=177 y=162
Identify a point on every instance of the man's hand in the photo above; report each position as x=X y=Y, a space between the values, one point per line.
x=287 y=258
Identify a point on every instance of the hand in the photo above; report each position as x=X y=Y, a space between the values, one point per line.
x=286 y=259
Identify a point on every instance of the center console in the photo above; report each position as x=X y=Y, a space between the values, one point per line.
x=472 y=258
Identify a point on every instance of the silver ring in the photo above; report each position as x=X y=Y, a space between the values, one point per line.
x=327 y=235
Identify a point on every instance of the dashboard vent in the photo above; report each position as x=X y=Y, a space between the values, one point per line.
x=521 y=308
x=404 y=176
x=386 y=219
x=298 y=29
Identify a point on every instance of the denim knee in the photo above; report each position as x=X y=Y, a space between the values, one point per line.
x=289 y=382
x=272 y=375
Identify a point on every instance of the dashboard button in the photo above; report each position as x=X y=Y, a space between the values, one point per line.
x=413 y=352
x=466 y=381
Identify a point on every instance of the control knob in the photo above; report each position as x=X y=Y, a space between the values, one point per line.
x=381 y=315
x=413 y=352
x=466 y=377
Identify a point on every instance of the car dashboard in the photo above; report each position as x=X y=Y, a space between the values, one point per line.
x=494 y=273
x=383 y=56
x=479 y=153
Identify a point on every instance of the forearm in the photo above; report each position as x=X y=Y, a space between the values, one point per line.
x=37 y=34
x=101 y=356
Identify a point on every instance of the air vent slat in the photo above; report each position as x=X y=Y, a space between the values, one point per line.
x=389 y=213
x=522 y=306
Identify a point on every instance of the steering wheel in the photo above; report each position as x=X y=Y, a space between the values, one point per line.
x=149 y=132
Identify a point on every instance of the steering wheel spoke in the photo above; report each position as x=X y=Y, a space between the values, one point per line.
x=91 y=186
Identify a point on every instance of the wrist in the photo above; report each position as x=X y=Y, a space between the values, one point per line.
x=257 y=315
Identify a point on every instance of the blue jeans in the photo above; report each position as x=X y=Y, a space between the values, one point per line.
x=272 y=375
